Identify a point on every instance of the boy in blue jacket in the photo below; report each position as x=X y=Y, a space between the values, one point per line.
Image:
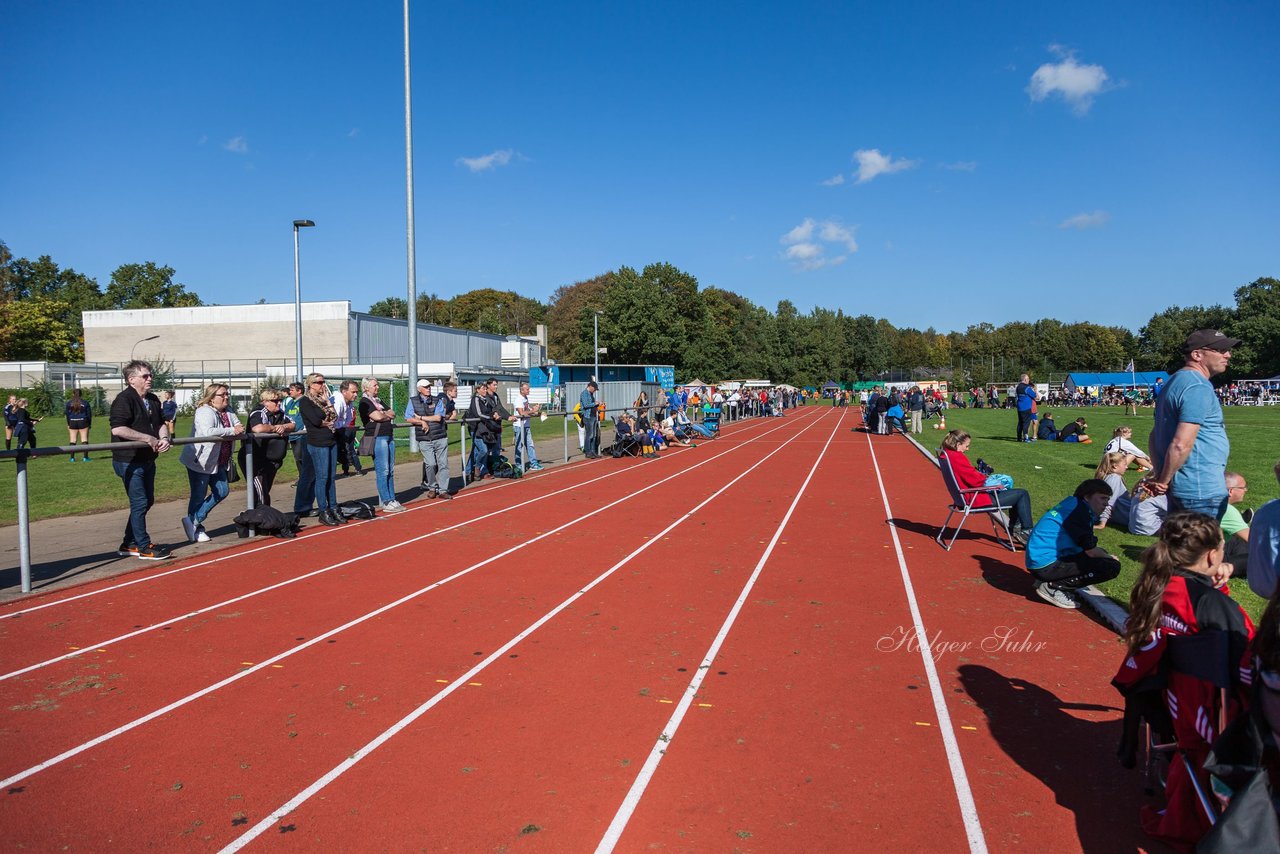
x=1063 y=552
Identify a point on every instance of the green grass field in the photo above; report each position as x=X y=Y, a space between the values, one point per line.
x=1051 y=471
x=57 y=487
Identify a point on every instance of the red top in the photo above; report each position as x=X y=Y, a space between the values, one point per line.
x=968 y=477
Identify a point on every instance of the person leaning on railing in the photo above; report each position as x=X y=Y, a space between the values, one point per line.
x=136 y=417
x=208 y=463
x=322 y=447
x=268 y=430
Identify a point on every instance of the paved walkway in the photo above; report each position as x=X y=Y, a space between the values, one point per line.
x=71 y=550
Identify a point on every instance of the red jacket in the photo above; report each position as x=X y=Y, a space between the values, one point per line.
x=968 y=477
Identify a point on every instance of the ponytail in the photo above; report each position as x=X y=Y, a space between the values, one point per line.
x=1184 y=539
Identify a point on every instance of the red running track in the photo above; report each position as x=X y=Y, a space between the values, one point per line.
x=709 y=652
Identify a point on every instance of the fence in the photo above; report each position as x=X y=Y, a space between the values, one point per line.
x=22 y=456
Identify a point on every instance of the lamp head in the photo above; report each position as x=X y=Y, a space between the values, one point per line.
x=303 y=223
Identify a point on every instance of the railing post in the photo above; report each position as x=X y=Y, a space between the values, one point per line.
x=251 y=498
x=565 y=422
x=24 y=522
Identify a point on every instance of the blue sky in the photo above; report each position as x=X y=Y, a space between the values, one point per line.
x=933 y=163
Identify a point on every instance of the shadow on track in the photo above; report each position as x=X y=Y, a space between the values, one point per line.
x=1051 y=738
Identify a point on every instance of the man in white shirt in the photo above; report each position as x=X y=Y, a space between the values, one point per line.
x=524 y=429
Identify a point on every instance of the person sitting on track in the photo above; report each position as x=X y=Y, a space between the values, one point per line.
x=955 y=445
x=1063 y=552
x=1179 y=594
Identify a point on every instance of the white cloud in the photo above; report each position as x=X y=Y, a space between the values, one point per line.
x=1081 y=221
x=237 y=145
x=834 y=232
x=806 y=244
x=354 y=132
x=1075 y=83
x=834 y=180
x=872 y=163
x=961 y=166
x=489 y=161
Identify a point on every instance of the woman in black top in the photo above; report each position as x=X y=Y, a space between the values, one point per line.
x=24 y=426
x=79 y=419
x=318 y=417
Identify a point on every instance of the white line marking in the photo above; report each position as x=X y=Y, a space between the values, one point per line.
x=659 y=749
x=340 y=769
x=90 y=647
x=137 y=722
x=469 y=492
x=964 y=796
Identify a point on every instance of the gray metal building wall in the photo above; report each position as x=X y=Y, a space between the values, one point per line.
x=382 y=339
x=616 y=395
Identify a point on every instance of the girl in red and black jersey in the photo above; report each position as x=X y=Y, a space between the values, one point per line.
x=1180 y=593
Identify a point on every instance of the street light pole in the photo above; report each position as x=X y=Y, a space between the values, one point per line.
x=297 y=292
x=135 y=346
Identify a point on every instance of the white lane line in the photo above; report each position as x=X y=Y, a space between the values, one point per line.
x=340 y=769
x=88 y=648
x=466 y=493
x=134 y=724
x=659 y=749
x=959 y=779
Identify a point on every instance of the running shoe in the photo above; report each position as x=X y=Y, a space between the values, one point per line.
x=127 y=551
x=201 y=536
x=154 y=552
x=1055 y=595
x=393 y=507
x=535 y=467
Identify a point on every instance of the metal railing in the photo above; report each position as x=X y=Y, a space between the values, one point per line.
x=747 y=409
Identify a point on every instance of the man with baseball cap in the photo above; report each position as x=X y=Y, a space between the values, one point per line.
x=1189 y=445
x=429 y=416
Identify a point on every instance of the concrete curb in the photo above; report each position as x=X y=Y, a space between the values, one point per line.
x=1107 y=611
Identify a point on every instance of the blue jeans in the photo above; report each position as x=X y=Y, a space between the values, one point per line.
x=140 y=487
x=305 y=494
x=1018 y=503
x=1212 y=506
x=478 y=460
x=324 y=462
x=384 y=456
x=524 y=441
x=207 y=491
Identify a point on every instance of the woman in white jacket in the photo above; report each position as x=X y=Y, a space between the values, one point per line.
x=207 y=462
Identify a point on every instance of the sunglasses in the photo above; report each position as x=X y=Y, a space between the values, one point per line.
x=221 y=394
x=143 y=376
x=318 y=382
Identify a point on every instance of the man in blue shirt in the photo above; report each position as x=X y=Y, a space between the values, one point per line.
x=1189 y=445
x=1026 y=398
x=590 y=420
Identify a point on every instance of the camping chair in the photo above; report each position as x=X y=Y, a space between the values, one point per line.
x=711 y=420
x=1206 y=656
x=963 y=501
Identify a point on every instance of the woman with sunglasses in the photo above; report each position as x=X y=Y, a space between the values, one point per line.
x=319 y=416
x=207 y=462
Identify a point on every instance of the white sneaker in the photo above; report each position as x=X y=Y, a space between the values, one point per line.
x=201 y=536
x=1056 y=595
x=189 y=528
x=394 y=507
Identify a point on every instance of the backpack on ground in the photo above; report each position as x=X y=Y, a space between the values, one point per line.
x=356 y=510
x=267 y=520
x=503 y=468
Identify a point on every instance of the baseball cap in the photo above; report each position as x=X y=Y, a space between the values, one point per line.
x=1208 y=339
x=424 y=383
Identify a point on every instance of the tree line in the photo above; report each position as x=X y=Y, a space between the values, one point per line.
x=40 y=303
x=662 y=315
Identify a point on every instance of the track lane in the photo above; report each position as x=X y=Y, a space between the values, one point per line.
x=103 y=757
x=1031 y=679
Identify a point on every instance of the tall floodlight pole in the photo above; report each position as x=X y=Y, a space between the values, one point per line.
x=412 y=312
x=595 y=322
x=297 y=292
